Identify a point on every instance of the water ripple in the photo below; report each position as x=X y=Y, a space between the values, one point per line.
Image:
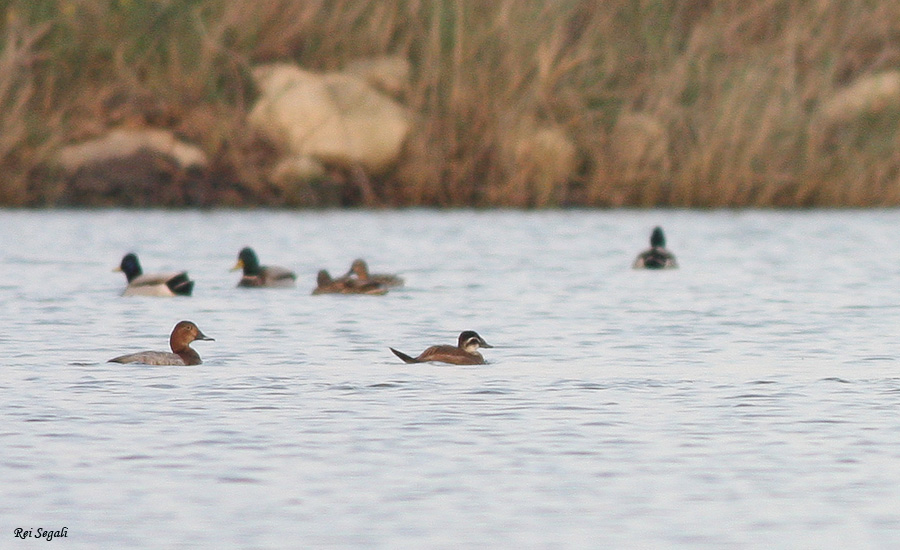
x=746 y=400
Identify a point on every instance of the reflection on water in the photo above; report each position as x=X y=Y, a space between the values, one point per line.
x=747 y=399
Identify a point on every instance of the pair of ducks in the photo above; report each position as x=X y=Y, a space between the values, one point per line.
x=357 y=280
x=255 y=275
x=185 y=332
x=179 y=284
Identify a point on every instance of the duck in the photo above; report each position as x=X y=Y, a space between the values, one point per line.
x=325 y=284
x=656 y=257
x=153 y=284
x=359 y=270
x=464 y=353
x=262 y=276
x=182 y=354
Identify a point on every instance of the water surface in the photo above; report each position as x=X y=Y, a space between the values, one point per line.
x=749 y=399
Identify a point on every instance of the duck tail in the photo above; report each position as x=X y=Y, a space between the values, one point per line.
x=181 y=285
x=401 y=355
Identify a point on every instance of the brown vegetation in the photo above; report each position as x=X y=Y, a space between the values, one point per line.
x=667 y=103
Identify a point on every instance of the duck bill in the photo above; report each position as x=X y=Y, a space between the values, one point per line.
x=238 y=265
x=201 y=336
x=484 y=344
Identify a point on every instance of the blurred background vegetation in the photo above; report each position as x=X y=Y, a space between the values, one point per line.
x=687 y=103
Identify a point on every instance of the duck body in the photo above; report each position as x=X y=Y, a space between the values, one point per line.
x=182 y=353
x=157 y=358
x=464 y=353
x=176 y=283
x=656 y=257
x=325 y=284
x=359 y=270
x=262 y=276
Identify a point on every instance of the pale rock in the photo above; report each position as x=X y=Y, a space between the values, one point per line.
x=867 y=95
x=334 y=118
x=639 y=142
x=389 y=74
x=125 y=142
x=290 y=171
x=542 y=158
x=549 y=153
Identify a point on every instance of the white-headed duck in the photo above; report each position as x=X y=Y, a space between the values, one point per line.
x=656 y=257
x=464 y=353
x=153 y=284
x=262 y=276
x=183 y=334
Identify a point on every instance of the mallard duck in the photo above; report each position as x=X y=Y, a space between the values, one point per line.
x=153 y=284
x=259 y=276
x=656 y=257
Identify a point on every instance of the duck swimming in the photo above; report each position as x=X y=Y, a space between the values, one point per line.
x=656 y=257
x=325 y=284
x=360 y=269
x=182 y=354
x=464 y=353
x=262 y=276
x=153 y=284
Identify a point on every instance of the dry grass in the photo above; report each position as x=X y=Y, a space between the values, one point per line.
x=724 y=99
x=20 y=149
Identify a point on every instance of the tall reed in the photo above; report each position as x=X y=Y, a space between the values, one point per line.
x=690 y=103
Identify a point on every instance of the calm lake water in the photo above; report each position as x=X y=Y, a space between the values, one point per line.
x=749 y=399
